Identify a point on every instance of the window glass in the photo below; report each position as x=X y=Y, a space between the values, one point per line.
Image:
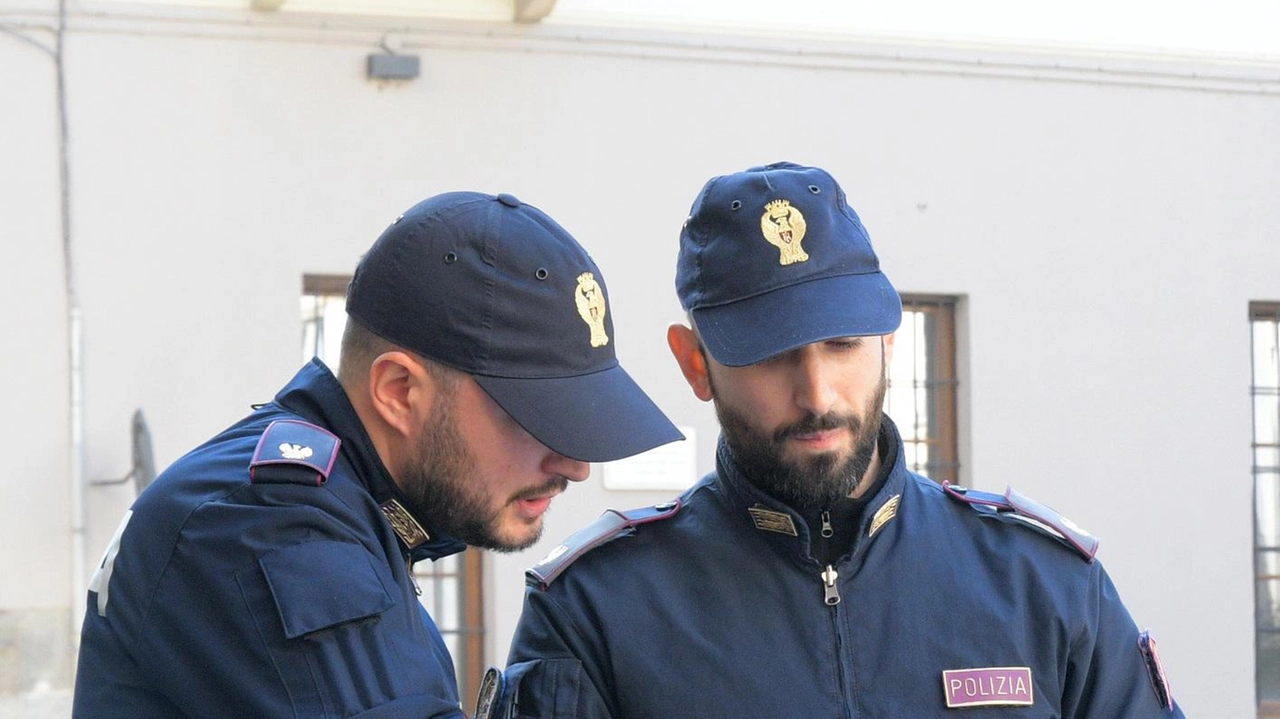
x=921 y=396
x=1265 y=388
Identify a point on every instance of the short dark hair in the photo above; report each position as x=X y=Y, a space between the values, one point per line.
x=360 y=346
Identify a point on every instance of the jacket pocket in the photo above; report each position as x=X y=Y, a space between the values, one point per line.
x=320 y=585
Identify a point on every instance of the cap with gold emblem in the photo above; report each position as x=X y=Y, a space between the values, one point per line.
x=494 y=287
x=774 y=258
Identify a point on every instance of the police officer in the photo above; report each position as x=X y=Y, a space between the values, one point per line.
x=812 y=574
x=268 y=573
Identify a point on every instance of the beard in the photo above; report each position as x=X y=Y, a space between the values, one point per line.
x=812 y=483
x=441 y=482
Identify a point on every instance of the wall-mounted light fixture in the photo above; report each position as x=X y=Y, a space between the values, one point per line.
x=393 y=67
x=391 y=64
x=266 y=5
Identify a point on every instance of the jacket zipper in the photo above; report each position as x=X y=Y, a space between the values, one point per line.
x=831 y=597
x=831 y=593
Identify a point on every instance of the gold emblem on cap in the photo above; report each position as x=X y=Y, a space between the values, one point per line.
x=294 y=451
x=784 y=227
x=771 y=521
x=884 y=514
x=591 y=306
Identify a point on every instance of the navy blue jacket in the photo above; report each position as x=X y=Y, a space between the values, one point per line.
x=284 y=594
x=720 y=610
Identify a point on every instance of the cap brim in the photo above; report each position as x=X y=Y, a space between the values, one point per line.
x=597 y=417
x=748 y=331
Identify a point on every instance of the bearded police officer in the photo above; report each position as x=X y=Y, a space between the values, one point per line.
x=812 y=574
x=268 y=573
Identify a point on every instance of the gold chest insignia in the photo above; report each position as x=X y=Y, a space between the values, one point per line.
x=591 y=306
x=294 y=451
x=784 y=227
x=884 y=514
x=405 y=526
x=771 y=521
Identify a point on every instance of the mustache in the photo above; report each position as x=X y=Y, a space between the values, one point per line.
x=813 y=423
x=555 y=485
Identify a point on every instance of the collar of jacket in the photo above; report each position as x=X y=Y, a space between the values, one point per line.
x=317 y=395
x=785 y=526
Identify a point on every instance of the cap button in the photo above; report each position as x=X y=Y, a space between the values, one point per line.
x=508 y=200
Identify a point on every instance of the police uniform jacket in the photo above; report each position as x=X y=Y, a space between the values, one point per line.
x=942 y=606
x=260 y=576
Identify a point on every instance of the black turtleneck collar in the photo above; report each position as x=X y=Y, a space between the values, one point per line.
x=843 y=518
x=317 y=395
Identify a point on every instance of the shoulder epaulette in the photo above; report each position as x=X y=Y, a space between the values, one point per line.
x=1015 y=506
x=294 y=452
x=611 y=525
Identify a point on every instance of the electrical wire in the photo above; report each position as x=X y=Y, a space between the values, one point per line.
x=17 y=33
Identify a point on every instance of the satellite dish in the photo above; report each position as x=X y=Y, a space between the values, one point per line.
x=144 y=463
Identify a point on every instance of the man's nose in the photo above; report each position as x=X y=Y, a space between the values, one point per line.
x=814 y=387
x=574 y=470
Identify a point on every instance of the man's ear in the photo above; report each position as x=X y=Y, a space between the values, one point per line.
x=401 y=391
x=887 y=344
x=688 y=353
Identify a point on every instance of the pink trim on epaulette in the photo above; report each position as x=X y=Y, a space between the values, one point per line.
x=1155 y=670
x=1030 y=511
x=1088 y=545
x=949 y=488
x=606 y=528
x=321 y=474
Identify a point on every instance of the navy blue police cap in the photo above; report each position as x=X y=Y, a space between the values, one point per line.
x=493 y=287
x=773 y=258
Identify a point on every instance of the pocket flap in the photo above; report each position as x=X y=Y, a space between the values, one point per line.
x=418 y=706
x=318 y=585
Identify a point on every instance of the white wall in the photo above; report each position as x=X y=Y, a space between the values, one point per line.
x=35 y=541
x=1106 y=219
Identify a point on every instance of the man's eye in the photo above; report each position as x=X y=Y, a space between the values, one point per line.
x=851 y=343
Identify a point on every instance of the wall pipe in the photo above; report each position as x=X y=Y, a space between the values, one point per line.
x=75 y=343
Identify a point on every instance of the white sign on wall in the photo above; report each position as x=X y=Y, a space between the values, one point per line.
x=671 y=466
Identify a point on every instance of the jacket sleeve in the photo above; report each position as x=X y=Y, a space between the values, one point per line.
x=554 y=670
x=287 y=615
x=318 y=628
x=1112 y=672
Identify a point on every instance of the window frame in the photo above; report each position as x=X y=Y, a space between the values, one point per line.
x=939 y=382
x=1263 y=312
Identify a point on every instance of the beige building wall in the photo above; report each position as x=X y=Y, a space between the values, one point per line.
x=1106 y=221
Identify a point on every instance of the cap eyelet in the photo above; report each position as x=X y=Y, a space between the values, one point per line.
x=815 y=189
x=541 y=273
x=450 y=258
x=735 y=205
